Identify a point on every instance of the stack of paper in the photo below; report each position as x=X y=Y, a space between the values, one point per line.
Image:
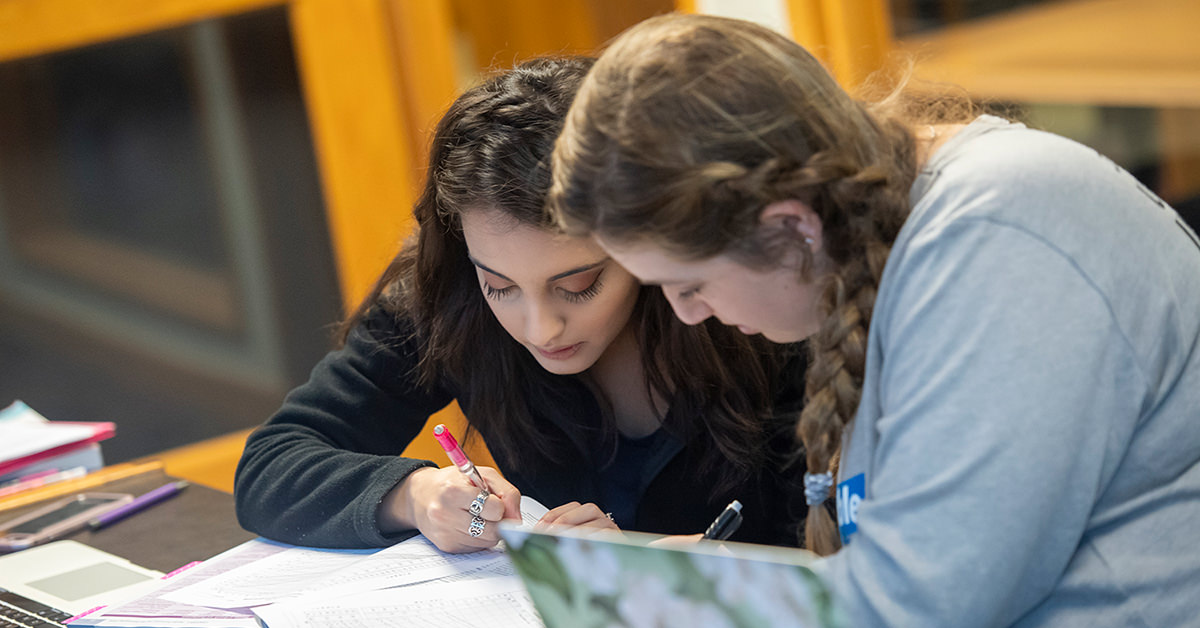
x=29 y=444
x=283 y=586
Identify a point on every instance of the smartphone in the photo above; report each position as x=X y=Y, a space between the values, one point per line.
x=56 y=519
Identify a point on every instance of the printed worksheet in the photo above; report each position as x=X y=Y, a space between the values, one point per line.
x=490 y=603
x=297 y=572
x=155 y=610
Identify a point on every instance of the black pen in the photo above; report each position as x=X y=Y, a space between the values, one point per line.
x=727 y=522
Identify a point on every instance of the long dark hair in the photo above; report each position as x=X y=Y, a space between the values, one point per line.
x=491 y=150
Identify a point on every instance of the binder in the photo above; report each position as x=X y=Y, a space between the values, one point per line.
x=27 y=438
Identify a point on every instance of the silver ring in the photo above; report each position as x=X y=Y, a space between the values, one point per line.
x=609 y=515
x=476 y=529
x=476 y=507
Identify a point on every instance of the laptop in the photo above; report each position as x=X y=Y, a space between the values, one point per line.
x=581 y=579
x=45 y=585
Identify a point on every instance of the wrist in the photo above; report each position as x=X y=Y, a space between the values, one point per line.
x=397 y=509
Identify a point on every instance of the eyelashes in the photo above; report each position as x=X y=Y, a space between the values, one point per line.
x=587 y=294
x=496 y=294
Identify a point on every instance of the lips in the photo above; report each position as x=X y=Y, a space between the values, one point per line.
x=561 y=353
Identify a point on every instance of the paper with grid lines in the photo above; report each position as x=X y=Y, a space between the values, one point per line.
x=499 y=602
x=298 y=572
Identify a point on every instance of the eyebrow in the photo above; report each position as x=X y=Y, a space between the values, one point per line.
x=567 y=273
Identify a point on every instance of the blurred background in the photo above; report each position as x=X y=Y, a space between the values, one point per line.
x=193 y=191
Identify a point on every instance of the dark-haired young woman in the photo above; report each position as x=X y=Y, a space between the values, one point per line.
x=591 y=396
x=1004 y=326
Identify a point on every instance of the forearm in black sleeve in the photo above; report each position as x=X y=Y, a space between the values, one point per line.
x=314 y=473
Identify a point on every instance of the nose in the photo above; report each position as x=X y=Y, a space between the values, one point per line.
x=691 y=311
x=542 y=324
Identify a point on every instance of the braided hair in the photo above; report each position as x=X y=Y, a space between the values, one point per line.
x=688 y=127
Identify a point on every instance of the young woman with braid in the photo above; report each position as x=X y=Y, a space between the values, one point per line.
x=1004 y=326
x=591 y=396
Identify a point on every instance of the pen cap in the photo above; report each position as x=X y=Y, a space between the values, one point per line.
x=446 y=440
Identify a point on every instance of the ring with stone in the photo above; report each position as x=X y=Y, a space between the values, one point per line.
x=476 y=507
x=476 y=529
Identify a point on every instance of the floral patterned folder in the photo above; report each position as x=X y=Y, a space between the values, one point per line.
x=604 y=580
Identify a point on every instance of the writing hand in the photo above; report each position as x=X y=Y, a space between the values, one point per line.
x=437 y=502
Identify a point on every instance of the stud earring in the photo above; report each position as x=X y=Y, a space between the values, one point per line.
x=808 y=241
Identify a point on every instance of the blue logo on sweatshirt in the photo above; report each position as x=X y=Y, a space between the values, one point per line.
x=849 y=494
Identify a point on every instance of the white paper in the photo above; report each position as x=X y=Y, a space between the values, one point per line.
x=156 y=610
x=469 y=587
x=492 y=603
x=279 y=576
x=531 y=511
x=297 y=572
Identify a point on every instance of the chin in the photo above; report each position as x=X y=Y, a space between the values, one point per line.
x=573 y=366
x=784 y=337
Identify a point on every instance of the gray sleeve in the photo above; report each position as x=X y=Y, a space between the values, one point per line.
x=1006 y=399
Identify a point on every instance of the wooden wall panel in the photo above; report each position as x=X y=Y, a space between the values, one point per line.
x=359 y=120
x=31 y=27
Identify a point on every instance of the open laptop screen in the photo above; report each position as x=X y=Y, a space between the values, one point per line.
x=617 y=579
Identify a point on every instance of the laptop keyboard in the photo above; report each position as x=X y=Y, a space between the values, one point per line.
x=18 y=611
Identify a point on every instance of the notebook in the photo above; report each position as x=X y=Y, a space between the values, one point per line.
x=30 y=443
x=42 y=586
x=581 y=580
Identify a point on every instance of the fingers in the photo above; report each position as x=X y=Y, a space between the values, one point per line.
x=507 y=494
x=457 y=495
x=443 y=511
x=677 y=541
x=461 y=542
x=449 y=517
x=554 y=514
x=575 y=514
x=488 y=507
x=456 y=530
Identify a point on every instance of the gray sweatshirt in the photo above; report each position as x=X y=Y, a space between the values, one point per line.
x=1027 y=448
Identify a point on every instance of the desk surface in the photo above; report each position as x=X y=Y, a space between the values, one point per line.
x=196 y=524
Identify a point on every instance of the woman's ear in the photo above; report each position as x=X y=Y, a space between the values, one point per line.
x=797 y=216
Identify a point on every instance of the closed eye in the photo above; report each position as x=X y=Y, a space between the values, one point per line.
x=586 y=294
x=496 y=293
x=580 y=287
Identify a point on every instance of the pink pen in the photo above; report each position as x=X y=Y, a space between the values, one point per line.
x=460 y=460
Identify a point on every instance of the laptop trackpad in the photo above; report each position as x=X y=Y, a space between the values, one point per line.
x=88 y=581
x=73 y=577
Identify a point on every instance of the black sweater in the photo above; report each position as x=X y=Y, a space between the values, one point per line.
x=315 y=473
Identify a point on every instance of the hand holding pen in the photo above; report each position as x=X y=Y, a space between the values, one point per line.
x=457 y=516
x=459 y=458
x=720 y=529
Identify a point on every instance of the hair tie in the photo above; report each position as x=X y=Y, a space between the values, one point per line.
x=816 y=487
